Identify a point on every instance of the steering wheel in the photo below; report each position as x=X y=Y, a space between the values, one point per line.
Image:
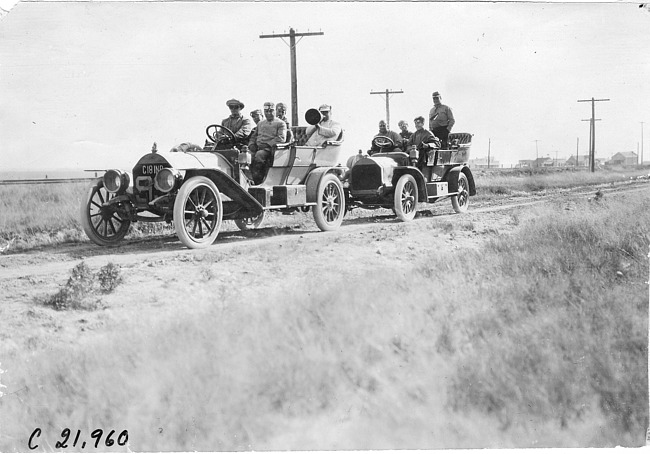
x=220 y=135
x=383 y=142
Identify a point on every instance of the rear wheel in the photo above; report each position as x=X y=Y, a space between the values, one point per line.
x=102 y=223
x=250 y=223
x=460 y=202
x=330 y=203
x=406 y=198
x=198 y=212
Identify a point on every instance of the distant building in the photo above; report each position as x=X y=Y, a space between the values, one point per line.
x=525 y=163
x=583 y=161
x=543 y=162
x=482 y=163
x=625 y=158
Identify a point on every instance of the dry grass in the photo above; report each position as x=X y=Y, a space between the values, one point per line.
x=512 y=182
x=542 y=344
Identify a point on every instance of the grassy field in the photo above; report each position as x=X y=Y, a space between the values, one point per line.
x=544 y=343
x=35 y=215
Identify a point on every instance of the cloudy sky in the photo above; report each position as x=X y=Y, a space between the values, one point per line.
x=94 y=84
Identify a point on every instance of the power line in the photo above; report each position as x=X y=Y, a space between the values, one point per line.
x=294 y=78
x=387 y=93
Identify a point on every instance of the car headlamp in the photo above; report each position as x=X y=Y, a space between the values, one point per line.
x=166 y=179
x=116 y=181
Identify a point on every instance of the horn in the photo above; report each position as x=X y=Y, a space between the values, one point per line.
x=313 y=116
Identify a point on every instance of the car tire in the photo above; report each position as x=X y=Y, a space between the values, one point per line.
x=250 y=223
x=103 y=225
x=330 y=203
x=198 y=211
x=460 y=202
x=405 y=200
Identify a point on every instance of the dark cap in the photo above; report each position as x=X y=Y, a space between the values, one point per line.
x=436 y=94
x=235 y=102
x=420 y=118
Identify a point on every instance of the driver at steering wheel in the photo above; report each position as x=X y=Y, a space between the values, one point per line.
x=240 y=125
x=385 y=132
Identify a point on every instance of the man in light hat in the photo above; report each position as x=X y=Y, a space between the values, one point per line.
x=326 y=129
x=240 y=125
x=268 y=134
x=441 y=120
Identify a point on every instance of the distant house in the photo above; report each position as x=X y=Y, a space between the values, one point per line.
x=625 y=158
x=482 y=163
x=583 y=161
x=525 y=163
x=543 y=162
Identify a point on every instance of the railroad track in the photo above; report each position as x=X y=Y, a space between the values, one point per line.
x=46 y=181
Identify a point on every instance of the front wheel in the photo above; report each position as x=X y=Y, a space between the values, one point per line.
x=250 y=222
x=330 y=203
x=460 y=202
x=198 y=211
x=102 y=223
x=406 y=198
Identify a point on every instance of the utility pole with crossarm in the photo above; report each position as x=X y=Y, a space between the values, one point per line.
x=592 y=138
x=294 y=79
x=387 y=93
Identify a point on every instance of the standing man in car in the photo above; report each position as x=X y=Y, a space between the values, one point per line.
x=240 y=125
x=441 y=120
x=326 y=129
x=269 y=133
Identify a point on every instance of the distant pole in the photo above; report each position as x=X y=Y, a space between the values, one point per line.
x=489 y=142
x=536 y=151
x=592 y=149
x=294 y=74
x=642 y=142
x=556 y=165
x=577 y=149
x=387 y=93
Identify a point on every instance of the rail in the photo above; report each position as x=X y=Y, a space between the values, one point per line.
x=46 y=181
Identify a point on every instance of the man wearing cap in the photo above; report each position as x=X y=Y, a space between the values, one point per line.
x=384 y=132
x=326 y=129
x=281 y=114
x=269 y=133
x=419 y=137
x=240 y=126
x=441 y=119
x=256 y=115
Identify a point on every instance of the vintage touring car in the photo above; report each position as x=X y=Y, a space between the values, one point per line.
x=399 y=180
x=196 y=188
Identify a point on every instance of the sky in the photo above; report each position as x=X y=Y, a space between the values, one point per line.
x=91 y=85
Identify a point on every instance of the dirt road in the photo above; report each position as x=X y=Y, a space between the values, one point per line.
x=160 y=275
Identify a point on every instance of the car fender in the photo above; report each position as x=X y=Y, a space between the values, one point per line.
x=452 y=179
x=314 y=178
x=230 y=188
x=419 y=179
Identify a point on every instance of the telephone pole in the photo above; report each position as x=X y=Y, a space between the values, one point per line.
x=387 y=93
x=591 y=138
x=489 y=143
x=641 y=141
x=592 y=142
x=294 y=79
x=536 y=152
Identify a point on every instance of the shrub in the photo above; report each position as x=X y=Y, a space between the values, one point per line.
x=80 y=292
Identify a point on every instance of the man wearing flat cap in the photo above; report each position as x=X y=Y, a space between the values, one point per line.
x=441 y=120
x=240 y=125
x=256 y=115
x=326 y=129
x=269 y=133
